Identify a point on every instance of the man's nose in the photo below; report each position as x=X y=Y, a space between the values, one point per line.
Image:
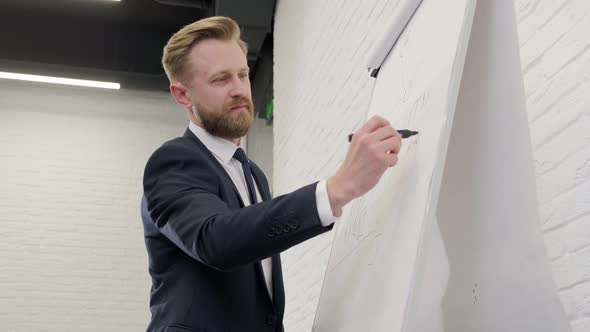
x=238 y=87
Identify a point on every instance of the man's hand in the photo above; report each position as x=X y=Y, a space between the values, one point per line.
x=373 y=149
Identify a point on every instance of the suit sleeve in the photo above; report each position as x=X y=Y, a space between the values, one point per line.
x=183 y=199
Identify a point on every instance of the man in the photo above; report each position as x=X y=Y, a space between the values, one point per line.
x=212 y=232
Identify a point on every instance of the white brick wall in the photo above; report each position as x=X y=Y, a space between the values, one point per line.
x=322 y=93
x=72 y=256
x=555 y=52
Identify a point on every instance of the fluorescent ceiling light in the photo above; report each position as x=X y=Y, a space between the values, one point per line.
x=59 y=80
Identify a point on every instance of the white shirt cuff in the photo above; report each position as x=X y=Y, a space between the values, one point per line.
x=323 y=203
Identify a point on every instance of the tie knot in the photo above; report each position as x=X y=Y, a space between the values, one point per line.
x=240 y=156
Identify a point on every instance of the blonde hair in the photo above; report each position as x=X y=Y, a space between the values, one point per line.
x=175 y=56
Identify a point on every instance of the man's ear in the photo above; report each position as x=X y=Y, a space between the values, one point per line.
x=180 y=93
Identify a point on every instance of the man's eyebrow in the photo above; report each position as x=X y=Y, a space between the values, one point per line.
x=226 y=72
x=219 y=73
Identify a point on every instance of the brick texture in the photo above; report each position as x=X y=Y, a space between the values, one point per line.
x=72 y=253
x=322 y=93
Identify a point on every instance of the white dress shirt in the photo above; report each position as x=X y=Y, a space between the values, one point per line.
x=224 y=150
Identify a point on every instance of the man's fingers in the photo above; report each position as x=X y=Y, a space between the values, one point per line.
x=384 y=133
x=392 y=159
x=392 y=144
x=370 y=126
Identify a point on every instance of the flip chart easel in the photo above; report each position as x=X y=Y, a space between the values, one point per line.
x=449 y=240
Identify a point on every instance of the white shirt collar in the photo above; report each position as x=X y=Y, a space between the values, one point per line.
x=222 y=148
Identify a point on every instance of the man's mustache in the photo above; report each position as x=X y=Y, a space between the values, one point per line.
x=240 y=101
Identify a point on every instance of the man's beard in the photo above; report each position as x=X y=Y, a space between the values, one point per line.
x=227 y=123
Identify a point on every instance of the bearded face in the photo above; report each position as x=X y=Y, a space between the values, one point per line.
x=216 y=91
x=231 y=121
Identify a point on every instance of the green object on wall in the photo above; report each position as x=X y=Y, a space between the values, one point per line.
x=269 y=109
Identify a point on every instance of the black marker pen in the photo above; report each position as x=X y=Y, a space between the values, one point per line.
x=404 y=132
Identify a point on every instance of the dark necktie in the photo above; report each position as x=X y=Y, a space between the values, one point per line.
x=240 y=156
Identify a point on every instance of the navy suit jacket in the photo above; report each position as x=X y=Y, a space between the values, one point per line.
x=205 y=247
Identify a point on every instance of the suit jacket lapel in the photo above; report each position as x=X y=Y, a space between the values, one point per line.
x=189 y=134
x=277 y=286
x=262 y=187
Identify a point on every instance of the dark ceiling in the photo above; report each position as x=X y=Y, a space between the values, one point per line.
x=119 y=41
